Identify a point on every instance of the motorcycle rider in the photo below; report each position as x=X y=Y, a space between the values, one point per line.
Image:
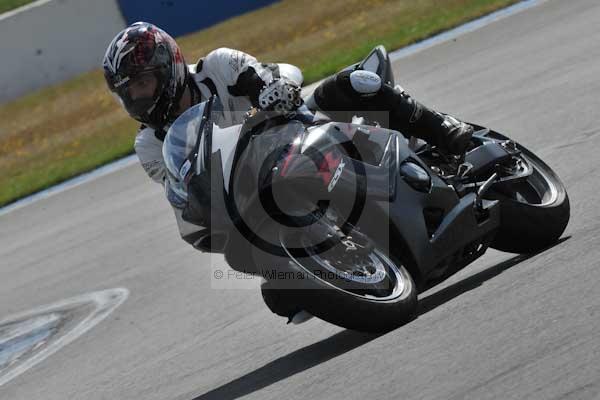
x=145 y=69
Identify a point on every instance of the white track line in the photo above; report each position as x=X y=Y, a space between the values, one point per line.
x=71 y=183
x=26 y=7
x=394 y=56
x=464 y=29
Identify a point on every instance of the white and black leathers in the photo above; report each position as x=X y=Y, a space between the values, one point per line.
x=239 y=79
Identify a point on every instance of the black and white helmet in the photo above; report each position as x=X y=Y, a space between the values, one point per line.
x=144 y=50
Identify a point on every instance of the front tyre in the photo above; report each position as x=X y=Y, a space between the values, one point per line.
x=366 y=292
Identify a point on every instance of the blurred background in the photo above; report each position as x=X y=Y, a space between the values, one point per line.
x=57 y=119
x=58 y=39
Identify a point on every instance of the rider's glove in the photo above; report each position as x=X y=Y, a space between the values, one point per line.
x=281 y=95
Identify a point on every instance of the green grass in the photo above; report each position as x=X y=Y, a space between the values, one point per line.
x=7 y=5
x=67 y=129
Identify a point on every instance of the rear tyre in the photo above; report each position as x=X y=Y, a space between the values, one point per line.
x=534 y=212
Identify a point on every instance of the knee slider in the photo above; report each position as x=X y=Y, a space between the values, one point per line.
x=365 y=82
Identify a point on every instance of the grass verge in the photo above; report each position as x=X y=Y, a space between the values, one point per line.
x=64 y=130
x=7 y=5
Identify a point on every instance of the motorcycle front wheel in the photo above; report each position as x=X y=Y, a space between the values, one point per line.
x=352 y=284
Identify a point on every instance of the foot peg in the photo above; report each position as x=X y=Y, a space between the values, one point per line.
x=483 y=189
x=464 y=169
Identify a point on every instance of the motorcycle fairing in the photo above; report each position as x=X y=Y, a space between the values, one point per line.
x=457 y=237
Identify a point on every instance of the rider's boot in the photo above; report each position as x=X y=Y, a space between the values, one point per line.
x=413 y=118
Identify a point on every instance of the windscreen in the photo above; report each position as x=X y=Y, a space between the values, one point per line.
x=179 y=143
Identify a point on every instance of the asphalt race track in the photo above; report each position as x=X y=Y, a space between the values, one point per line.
x=507 y=327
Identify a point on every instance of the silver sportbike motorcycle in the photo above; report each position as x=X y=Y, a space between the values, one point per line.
x=350 y=221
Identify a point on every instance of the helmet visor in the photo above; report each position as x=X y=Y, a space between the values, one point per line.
x=140 y=94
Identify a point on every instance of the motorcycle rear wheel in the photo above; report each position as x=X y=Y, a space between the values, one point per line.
x=534 y=212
